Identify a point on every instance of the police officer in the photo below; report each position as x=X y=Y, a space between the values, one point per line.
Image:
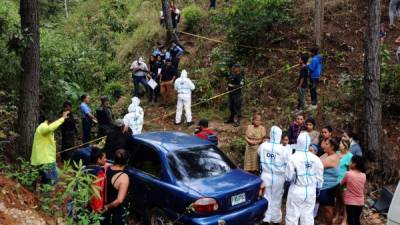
x=236 y=81
x=104 y=116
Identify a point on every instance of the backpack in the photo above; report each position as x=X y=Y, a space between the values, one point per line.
x=211 y=137
x=98 y=201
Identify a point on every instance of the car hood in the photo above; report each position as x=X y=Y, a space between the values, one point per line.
x=232 y=181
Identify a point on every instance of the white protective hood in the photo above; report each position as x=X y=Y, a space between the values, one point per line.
x=183 y=85
x=135 y=118
x=303 y=142
x=184 y=74
x=275 y=135
x=135 y=103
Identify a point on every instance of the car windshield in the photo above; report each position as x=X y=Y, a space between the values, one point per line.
x=198 y=163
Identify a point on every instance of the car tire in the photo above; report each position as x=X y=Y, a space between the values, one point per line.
x=157 y=217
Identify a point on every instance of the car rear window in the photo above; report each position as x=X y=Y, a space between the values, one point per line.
x=199 y=163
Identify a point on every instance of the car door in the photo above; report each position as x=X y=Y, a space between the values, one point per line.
x=150 y=182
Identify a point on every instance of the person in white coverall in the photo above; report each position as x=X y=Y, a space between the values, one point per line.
x=184 y=87
x=135 y=117
x=393 y=11
x=304 y=172
x=273 y=160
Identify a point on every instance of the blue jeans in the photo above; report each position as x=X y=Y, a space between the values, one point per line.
x=48 y=174
x=136 y=81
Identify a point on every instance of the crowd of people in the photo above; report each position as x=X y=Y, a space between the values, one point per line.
x=159 y=82
x=323 y=175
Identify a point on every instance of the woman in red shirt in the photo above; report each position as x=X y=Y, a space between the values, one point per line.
x=354 y=180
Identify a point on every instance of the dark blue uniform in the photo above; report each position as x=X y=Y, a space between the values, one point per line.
x=235 y=97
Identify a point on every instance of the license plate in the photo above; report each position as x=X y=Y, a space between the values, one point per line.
x=237 y=199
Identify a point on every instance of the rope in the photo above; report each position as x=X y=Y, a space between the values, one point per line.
x=77 y=146
x=193 y=105
x=243 y=46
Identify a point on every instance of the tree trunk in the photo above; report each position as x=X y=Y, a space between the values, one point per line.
x=318 y=22
x=171 y=35
x=28 y=110
x=372 y=95
x=66 y=8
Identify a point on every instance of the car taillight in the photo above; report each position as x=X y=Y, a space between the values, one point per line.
x=261 y=191
x=205 y=205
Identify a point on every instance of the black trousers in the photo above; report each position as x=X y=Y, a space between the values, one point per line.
x=313 y=91
x=86 y=129
x=67 y=141
x=115 y=217
x=235 y=105
x=353 y=214
x=154 y=94
x=212 y=3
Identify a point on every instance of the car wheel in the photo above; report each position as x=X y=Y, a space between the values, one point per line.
x=157 y=217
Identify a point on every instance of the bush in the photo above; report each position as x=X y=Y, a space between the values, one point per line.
x=9 y=45
x=390 y=74
x=114 y=90
x=250 y=21
x=192 y=16
x=238 y=145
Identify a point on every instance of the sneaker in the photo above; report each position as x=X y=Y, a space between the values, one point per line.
x=177 y=124
x=189 y=124
x=237 y=124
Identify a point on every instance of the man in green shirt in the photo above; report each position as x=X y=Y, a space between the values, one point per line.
x=44 y=149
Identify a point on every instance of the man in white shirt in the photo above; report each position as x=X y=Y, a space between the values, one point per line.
x=184 y=87
x=139 y=70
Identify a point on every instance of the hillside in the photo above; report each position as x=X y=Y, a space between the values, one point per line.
x=90 y=52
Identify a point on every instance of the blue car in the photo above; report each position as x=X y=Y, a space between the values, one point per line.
x=183 y=179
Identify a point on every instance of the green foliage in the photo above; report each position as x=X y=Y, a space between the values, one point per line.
x=75 y=184
x=250 y=21
x=9 y=33
x=24 y=173
x=114 y=89
x=238 y=145
x=51 y=10
x=204 y=86
x=77 y=179
x=144 y=19
x=192 y=17
x=223 y=59
x=390 y=74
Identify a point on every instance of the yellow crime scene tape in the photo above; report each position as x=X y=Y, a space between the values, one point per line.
x=243 y=46
x=225 y=93
x=209 y=99
x=285 y=69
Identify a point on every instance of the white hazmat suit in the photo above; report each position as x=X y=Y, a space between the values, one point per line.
x=184 y=87
x=135 y=117
x=305 y=173
x=393 y=11
x=273 y=159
